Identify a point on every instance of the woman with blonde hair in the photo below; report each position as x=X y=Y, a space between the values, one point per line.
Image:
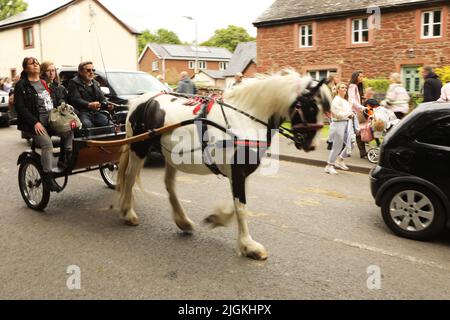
x=50 y=76
x=341 y=130
x=397 y=98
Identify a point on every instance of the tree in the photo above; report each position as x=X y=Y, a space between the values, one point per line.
x=228 y=38
x=162 y=36
x=9 y=8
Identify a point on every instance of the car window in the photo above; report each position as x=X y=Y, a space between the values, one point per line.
x=134 y=83
x=437 y=133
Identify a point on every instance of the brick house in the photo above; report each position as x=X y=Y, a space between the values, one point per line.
x=377 y=36
x=169 y=60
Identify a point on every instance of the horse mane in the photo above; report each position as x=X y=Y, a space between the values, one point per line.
x=267 y=94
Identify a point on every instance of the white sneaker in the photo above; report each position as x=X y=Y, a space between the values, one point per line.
x=330 y=169
x=341 y=165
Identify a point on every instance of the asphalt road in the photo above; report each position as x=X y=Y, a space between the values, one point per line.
x=322 y=233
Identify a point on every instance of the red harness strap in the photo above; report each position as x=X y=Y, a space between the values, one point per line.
x=199 y=106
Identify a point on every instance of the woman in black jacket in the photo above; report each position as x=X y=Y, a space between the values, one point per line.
x=33 y=103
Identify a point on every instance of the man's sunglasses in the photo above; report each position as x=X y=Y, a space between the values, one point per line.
x=90 y=70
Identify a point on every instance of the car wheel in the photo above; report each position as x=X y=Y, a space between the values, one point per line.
x=413 y=212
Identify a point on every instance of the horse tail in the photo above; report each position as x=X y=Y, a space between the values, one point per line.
x=123 y=165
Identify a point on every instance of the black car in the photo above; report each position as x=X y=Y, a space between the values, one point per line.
x=411 y=183
x=4 y=109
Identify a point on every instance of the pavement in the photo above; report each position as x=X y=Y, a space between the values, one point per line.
x=286 y=151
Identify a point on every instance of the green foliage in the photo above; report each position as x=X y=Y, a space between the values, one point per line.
x=443 y=74
x=379 y=85
x=228 y=38
x=9 y=8
x=162 y=36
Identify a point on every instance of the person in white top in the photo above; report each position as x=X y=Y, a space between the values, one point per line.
x=341 y=130
x=445 y=93
x=397 y=98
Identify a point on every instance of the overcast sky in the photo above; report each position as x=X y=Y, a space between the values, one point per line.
x=210 y=14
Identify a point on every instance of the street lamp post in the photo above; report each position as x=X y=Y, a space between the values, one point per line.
x=196 y=42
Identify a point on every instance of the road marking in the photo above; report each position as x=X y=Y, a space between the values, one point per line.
x=392 y=254
x=136 y=188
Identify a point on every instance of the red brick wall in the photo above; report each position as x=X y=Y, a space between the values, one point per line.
x=250 y=70
x=173 y=67
x=389 y=50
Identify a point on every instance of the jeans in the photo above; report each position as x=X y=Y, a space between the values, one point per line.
x=45 y=142
x=93 y=119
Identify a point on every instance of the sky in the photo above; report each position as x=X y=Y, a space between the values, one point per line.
x=210 y=14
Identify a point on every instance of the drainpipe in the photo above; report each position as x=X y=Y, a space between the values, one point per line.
x=40 y=41
x=164 y=68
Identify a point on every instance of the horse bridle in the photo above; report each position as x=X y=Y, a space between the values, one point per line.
x=302 y=127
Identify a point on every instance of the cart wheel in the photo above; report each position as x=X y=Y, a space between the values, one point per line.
x=373 y=155
x=31 y=185
x=109 y=174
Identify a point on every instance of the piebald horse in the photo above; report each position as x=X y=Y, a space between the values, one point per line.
x=228 y=143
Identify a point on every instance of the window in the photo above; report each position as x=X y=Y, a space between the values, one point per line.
x=202 y=65
x=321 y=74
x=191 y=65
x=28 y=39
x=431 y=24
x=155 y=65
x=437 y=134
x=306 y=36
x=223 y=66
x=360 y=31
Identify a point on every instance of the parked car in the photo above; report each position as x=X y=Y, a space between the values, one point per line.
x=411 y=183
x=4 y=109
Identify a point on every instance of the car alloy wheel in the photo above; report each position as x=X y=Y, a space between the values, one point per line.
x=411 y=210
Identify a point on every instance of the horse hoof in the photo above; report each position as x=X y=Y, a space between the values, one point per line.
x=132 y=223
x=185 y=226
x=259 y=256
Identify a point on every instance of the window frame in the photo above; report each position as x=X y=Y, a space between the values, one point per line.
x=420 y=24
x=318 y=70
x=24 y=37
x=191 y=65
x=298 y=36
x=431 y=23
x=360 y=31
x=223 y=65
x=308 y=37
x=155 y=65
x=201 y=63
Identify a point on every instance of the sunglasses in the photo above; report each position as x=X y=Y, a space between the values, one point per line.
x=33 y=63
x=90 y=70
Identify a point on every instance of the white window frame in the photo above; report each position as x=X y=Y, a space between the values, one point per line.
x=307 y=36
x=315 y=74
x=360 y=31
x=28 y=32
x=202 y=65
x=431 y=24
x=223 y=65
x=155 y=65
x=191 y=65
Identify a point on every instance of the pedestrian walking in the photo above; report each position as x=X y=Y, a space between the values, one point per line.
x=397 y=98
x=186 y=85
x=432 y=85
x=341 y=131
x=355 y=95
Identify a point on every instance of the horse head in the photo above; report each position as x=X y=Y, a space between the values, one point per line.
x=305 y=113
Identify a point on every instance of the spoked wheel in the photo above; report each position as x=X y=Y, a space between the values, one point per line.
x=109 y=174
x=373 y=155
x=31 y=185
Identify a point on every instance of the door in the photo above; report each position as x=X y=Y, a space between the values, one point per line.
x=411 y=78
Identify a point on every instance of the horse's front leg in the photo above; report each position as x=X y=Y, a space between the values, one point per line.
x=246 y=245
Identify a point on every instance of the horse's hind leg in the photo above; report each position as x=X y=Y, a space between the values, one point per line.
x=126 y=202
x=179 y=215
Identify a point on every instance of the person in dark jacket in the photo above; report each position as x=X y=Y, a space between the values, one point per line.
x=432 y=85
x=33 y=103
x=186 y=85
x=85 y=95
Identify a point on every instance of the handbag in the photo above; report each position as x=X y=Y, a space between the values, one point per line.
x=366 y=132
x=63 y=119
